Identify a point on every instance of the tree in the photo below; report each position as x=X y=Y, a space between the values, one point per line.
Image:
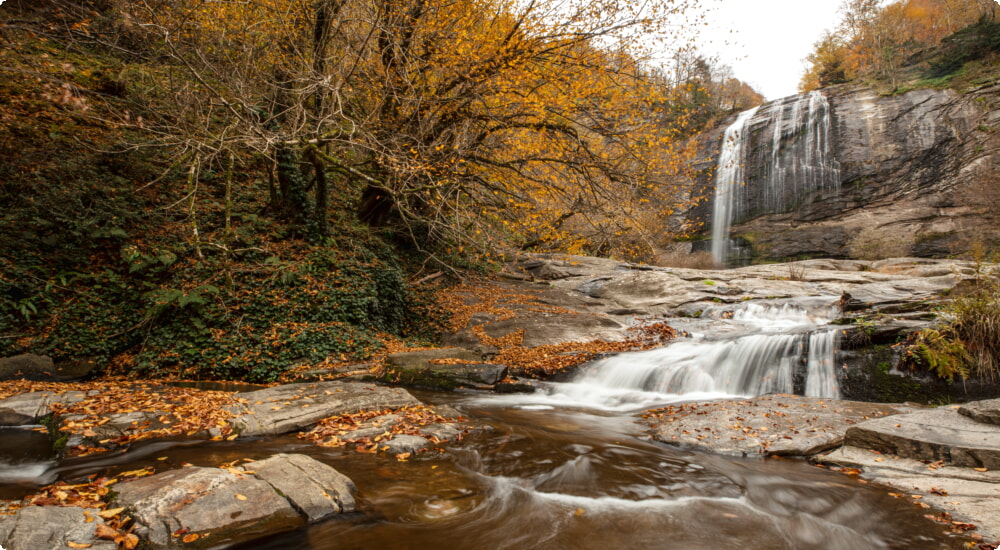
x=456 y=123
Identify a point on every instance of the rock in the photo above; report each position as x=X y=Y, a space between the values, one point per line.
x=937 y=434
x=401 y=444
x=204 y=500
x=313 y=488
x=913 y=177
x=292 y=407
x=968 y=495
x=418 y=360
x=27 y=366
x=987 y=412
x=29 y=408
x=514 y=387
x=51 y=527
x=781 y=425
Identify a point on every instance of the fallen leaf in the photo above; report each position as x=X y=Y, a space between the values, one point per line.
x=72 y=544
x=108 y=514
x=240 y=497
x=189 y=538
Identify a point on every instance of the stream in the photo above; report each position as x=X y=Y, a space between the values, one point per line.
x=568 y=467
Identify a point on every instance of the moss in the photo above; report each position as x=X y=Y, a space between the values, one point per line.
x=58 y=438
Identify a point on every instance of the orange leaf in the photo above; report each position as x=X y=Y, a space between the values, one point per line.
x=190 y=538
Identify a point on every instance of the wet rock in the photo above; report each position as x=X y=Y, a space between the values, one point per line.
x=313 y=488
x=401 y=444
x=782 y=425
x=514 y=387
x=968 y=495
x=987 y=412
x=38 y=528
x=220 y=506
x=29 y=408
x=292 y=407
x=937 y=434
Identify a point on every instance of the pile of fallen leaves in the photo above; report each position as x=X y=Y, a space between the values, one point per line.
x=180 y=411
x=330 y=432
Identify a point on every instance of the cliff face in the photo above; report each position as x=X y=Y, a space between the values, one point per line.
x=910 y=174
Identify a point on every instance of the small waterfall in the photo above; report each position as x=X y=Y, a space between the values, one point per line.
x=778 y=347
x=762 y=172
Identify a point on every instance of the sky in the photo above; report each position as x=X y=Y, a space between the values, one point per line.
x=769 y=39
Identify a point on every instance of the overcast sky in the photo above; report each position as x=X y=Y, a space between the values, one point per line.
x=769 y=39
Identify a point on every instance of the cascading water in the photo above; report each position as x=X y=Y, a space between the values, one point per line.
x=728 y=180
x=761 y=172
x=779 y=347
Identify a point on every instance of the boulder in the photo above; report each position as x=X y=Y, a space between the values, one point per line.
x=219 y=506
x=770 y=425
x=987 y=412
x=27 y=366
x=292 y=407
x=936 y=435
x=402 y=444
x=316 y=490
x=29 y=408
x=418 y=360
x=51 y=527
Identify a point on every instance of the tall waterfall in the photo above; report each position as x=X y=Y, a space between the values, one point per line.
x=772 y=159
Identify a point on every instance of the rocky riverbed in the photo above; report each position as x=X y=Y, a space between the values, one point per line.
x=547 y=311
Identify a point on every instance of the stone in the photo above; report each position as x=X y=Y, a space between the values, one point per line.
x=316 y=490
x=27 y=366
x=402 y=444
x=937 y=434
x=987 y=412
x=770 y=425
x=968 y=495
x=221 y=506
x=30 y=408
x=292 y=407
x=913 y=175
x=422 y=359
x=51 y=527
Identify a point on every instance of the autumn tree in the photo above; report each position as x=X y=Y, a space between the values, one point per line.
x=462 y=124
x=875 y=39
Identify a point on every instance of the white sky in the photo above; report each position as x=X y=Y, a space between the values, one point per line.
x=769 y=39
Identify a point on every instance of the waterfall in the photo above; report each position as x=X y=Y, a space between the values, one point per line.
x=776 y=347
x=763 y=172
x=728 y=181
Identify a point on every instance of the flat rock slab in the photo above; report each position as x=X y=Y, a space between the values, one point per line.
x=936 y=434
x=422 y=359
x=293 y=407
x=204 y=501
x=29 y=408
x=770 y=425
x=987 y=412
x=43 y=528
x=313 y=488
x=967 y=495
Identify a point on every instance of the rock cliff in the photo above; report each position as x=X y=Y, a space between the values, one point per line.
x=916 y=173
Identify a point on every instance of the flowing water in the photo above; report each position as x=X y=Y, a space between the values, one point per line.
x=568 y=467
x=772 y=158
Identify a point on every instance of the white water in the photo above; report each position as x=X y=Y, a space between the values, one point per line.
x=728 y=181
x=774 y=344
x=799 y=163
